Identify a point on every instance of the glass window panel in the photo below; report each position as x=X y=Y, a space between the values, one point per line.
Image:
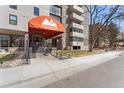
x=56 y=17
x=55 y=10
x=36 y=11
x=13 y=19
x=5 y=40
x=13 y=6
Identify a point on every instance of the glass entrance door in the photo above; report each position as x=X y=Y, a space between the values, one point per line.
x=37 y=41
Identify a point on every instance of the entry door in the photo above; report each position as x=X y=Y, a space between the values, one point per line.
x=38 y=41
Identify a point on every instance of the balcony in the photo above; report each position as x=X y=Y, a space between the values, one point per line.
x=76 y=43
x=77 y=18
x=77 y=9
x=77 y=34
x=75 y=25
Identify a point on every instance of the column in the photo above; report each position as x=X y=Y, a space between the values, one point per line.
x=26 y=49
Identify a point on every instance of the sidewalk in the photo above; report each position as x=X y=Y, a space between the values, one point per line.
x=44 y=71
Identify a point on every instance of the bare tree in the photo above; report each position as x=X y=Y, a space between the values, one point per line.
x=102 y=15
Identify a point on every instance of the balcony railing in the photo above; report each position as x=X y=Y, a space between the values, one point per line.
x=75 y=25
x=77 y=17
x=77 y=34
x=77 y=9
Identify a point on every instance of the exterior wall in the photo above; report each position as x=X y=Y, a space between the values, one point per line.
x=70 y=18
x=11 y=32
x=65 y=21
x=86 y=30
x=24 y=13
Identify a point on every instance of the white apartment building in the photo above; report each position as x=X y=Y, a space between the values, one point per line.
x=14 y=22
x=76 y=20
x=15 y=18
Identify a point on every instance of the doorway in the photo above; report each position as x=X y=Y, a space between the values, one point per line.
x=37 y=41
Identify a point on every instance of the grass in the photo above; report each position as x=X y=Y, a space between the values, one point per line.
x=2 y=55
x=75 y=53
x=6 y=57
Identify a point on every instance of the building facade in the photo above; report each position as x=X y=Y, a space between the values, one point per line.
x=14 y=25
x=76 y=23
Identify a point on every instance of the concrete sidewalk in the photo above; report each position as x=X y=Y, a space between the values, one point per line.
x=45 y=71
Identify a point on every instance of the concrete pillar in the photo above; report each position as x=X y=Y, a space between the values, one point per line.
x=26 y=49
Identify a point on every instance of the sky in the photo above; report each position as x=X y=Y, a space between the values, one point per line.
x=119 y=22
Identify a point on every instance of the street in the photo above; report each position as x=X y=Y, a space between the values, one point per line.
x=107 y=75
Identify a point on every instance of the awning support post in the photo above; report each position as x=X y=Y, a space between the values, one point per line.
x=26 y=50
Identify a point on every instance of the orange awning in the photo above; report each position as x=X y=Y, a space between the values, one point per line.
x=46 y=26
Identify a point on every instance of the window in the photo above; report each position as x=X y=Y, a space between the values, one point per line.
x=56 y=17
x=4 y=40
x=13 y=7
x=73 y=29
x=76 y=47
x=12 y=19
x=74 y=38
x=11 y=40
x=56 y=12
x=16 y=41
x=36 y=11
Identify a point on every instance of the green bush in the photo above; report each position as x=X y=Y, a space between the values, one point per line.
x=7 y=57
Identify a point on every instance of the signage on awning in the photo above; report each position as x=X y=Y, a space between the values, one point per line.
x=46 y=26
x=49 y=23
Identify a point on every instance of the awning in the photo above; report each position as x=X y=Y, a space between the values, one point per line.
x=46 y=26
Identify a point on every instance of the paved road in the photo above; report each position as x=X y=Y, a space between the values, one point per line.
x=106 y=75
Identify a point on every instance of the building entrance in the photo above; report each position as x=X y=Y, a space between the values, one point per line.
x=37 y=41
x=41 y=31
